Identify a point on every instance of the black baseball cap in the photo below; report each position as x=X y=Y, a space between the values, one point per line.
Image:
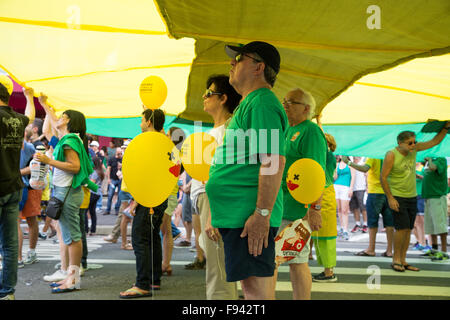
x=265 y=50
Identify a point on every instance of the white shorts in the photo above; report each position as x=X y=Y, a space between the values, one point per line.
x=302 y=256
x=341 y=192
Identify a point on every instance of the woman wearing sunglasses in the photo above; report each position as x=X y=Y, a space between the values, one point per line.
x=219 y=100
x=398 y=179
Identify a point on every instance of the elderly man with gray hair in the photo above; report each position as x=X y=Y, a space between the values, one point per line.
x=304 y=139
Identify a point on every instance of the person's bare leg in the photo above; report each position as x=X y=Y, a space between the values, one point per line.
x=301 y=281
x=123 y=230
x=372 y=240
x=34 y=231
x=443 y=237
x=166 y=229
x=390 y=240
x=399 y=236
x=258 y=288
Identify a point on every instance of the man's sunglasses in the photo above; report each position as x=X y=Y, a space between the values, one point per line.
x=412 y=142
x=209 y=93
x=240 y=56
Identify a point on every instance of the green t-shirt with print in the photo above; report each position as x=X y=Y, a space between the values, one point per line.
x=257 y=127
x=434 y=183
x=305 y=140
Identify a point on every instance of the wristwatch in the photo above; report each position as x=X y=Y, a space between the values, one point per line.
x=263 y=212
x=316 y=207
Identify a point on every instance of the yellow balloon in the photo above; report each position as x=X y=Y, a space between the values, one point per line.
x=151 y=167
x=7 y=82
x=305 y=180
x=197 y=152
x=153 y=92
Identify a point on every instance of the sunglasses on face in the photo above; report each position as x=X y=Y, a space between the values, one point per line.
x=240 y=56
x=412 y=142
x=291 y=102
x=209 y=93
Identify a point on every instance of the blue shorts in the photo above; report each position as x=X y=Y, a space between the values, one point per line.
x=187 y=208
x=420 y=206
x=239 y=264
x=125 y=196
x=377 y=203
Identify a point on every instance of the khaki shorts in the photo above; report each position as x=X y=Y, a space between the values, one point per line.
x=172 y=203
x=436 y=215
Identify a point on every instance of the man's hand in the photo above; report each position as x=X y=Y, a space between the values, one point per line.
x=345 y=159
x=314 y=219
x=393 y=204
x=28 y=92
x=257 y=230
x=43 y=99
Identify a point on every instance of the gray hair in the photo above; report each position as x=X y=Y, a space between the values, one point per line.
x=269 y=73
x=308 y=99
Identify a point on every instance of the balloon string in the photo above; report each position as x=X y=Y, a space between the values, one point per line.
x=151 y=240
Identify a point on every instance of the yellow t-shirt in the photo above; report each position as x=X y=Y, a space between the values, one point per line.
x=373 y=177
x=123 y=186
x=86 y=198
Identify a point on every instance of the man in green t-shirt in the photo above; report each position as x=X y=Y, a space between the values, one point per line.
x=398 y=179
x=434 y=191
x=304 y=140
x=245 y=176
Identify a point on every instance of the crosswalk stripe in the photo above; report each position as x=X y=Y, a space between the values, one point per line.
x=384 y=289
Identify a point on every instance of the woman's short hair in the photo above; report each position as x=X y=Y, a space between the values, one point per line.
x=222 y=84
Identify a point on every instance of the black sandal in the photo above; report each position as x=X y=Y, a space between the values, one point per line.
x=394 y=265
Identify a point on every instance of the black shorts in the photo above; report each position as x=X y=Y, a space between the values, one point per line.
x=405 y=218
x=239 y=264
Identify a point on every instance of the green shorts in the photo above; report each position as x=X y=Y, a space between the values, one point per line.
x=436 y=215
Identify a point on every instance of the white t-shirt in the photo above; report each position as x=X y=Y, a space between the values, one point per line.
x=197 y=187
x=360 y=179
x=62 y=178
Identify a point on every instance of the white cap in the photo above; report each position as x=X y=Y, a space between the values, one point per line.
x=95 y=144
x=125 y=144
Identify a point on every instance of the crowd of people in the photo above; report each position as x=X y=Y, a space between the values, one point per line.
x=239 y=213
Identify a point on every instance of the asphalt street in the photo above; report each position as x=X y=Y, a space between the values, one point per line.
x=112 y=270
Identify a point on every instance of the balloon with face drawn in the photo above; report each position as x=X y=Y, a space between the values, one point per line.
x=151 y=166
x=305 y=180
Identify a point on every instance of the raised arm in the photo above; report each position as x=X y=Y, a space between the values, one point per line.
x=435 y=141
x=30 y=110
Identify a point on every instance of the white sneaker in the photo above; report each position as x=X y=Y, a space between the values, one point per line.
x=57 y=276
x=31 y=258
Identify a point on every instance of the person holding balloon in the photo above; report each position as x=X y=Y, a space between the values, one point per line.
x=304 y=140
x=147 y=218
x=245 y=178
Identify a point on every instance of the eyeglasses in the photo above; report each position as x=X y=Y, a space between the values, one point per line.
x=240 y=56
x=290 y=102
x=209 y=93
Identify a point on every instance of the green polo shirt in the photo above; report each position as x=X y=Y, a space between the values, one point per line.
x=257 y=127
x=434 y=183
x=305 y=140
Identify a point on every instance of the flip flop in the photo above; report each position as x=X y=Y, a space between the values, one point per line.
x=384 y=254
x=410 y=267
x=363 y=254
x=394 y=265
x=134 y=293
